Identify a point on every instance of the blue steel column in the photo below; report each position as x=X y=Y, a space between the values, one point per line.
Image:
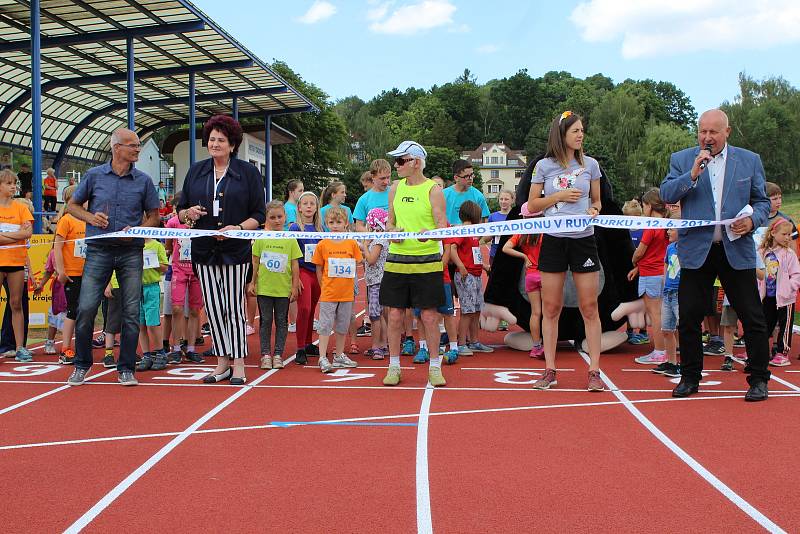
x=131 y=88
x=192 y=120
x=36 y=114
x=268 y=157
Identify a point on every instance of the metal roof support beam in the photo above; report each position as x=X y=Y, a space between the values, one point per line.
x=192 y=121
x=106 y=35
x=36 y=113
x=235 y=108
x=18 y=102
x=268 y=157
x=167 y=102
x=131 y=85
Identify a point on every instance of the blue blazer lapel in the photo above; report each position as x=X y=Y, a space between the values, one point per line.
x=704 y=181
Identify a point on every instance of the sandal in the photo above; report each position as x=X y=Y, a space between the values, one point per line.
x=354 y=348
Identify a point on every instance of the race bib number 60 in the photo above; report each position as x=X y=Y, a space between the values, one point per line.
x=274 y=262
x=341 y=267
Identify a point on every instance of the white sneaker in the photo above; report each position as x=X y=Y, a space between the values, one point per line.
x=341 y=361
x=324 y=365
x=292 y=327
x=50 y=346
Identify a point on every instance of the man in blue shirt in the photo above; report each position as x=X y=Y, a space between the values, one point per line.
x=119 y=196
x=461 y=191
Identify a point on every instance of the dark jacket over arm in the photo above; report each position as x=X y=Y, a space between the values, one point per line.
x=241 y=196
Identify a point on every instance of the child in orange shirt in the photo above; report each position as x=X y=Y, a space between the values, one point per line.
x=336 y=273
x=70 y=253
x=15 y=228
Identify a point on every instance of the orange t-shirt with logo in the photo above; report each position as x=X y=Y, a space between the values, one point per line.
x=12 y=218
x=70 y=229
x=338 y=261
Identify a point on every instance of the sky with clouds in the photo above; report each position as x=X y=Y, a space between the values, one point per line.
x=361 y=47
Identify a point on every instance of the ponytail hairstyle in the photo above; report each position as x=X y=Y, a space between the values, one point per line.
x=768 y=243
x=653 y=197
x=291 y=185
x=329 y=191
x=556 y=148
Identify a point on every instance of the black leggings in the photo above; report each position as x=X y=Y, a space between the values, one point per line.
x=269 y=307
x=782 y=317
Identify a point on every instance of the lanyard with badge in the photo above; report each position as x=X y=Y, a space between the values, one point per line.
x=217 y=183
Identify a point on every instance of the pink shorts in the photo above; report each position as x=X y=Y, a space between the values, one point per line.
x=184 y=280
x=533 y=282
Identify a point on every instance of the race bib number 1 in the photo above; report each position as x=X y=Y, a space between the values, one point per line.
x=274 y=262
x=184 y=249
x=477 y=257
x=309 y=251
x=341 y=268
x=80 y=248
x=150 y=258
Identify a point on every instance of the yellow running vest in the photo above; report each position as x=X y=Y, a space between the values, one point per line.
x=413 y=213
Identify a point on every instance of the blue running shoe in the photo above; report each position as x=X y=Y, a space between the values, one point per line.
x=422 y=356
x=450 y=357
x=408 y=347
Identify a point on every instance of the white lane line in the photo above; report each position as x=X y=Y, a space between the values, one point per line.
x=521 y=388
x=696 y=466
x=376 y=418
x=785 y=383
x=424 y=521
x=507 y=369
x=120 y=488
x=48 y=393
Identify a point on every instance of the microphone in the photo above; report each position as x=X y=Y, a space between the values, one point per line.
x=704 y=163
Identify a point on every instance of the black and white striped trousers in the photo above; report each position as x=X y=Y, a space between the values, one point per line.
x=223 y=288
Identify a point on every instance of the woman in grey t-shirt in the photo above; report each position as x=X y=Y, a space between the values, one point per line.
x=570 y=182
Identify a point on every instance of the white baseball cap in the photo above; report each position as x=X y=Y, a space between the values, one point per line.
x=410 y=148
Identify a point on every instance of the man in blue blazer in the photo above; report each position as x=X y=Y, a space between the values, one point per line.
x=715 y=181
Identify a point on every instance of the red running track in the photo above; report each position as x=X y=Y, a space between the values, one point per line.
x=484 y=453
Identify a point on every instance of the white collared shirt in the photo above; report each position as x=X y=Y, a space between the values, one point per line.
x=716 y=175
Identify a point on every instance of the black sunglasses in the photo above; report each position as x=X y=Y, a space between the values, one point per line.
x=402 y=161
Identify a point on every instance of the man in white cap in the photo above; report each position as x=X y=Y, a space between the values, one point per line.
x=412 y=275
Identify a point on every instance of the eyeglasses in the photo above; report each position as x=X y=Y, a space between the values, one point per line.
x=134 y=146
x=469 y=176
x=402 y=161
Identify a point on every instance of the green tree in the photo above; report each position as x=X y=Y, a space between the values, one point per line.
x=652 y=156
x=317 y=153
x=765 y=118
x=618 y=124
x=440 y=161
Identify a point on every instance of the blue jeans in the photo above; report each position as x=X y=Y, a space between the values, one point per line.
x=100 y=263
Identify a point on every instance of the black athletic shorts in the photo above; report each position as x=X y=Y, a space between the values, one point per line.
x=72 y=290
x=561 y=253
x=412 y=290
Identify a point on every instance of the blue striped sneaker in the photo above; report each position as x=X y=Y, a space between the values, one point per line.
x=422 y=355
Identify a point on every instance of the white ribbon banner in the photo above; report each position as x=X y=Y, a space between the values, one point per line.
x=534 y=225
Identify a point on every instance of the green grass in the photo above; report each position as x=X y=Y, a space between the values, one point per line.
x=791 y=206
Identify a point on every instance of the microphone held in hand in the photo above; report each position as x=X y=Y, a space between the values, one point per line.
x=704 y=163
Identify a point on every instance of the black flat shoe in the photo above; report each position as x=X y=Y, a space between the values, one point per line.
x=757 y=392
x=312 y=350
x=213 y=379
x=238 y=380
x=684 y=389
